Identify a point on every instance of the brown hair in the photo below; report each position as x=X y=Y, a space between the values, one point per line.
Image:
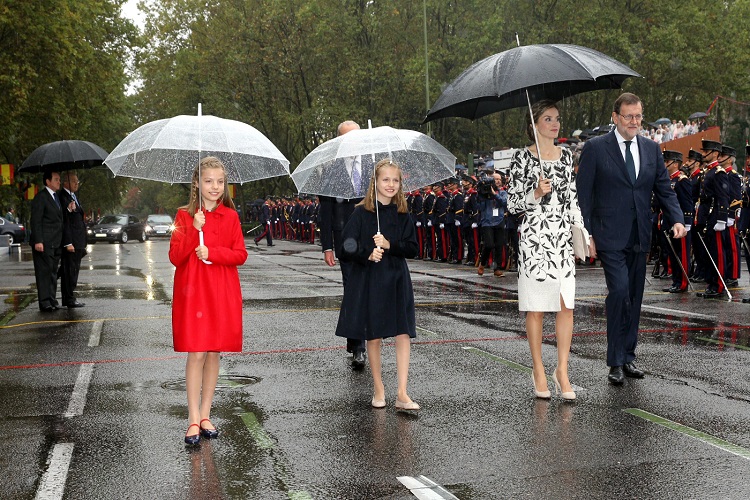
x=537 y=109
x=207 y=163
x=625 y=98
x=369 y=200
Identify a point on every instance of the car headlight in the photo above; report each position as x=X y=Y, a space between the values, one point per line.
x=89 y=231
x=148 y=228
x=171 y=228
x=116 y=230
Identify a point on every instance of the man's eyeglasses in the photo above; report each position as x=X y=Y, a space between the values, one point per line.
x=629 y=118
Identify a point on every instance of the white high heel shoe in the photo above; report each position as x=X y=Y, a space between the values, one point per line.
x=539 y=394
x=568 y=396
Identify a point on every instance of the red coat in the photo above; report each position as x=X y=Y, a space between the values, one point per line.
x=207 y=302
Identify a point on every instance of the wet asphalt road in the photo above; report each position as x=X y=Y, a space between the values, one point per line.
x=93 y=400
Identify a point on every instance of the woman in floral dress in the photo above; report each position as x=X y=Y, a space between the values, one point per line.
x=546 y=193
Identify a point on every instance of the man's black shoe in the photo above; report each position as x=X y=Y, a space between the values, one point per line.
x=708 y=293
x=732 y=283
x=673 y=289
x=631 y=371
x=616 y=375
x=746 y=300
x=358 y=361
x=48 y=309
x=75 y=304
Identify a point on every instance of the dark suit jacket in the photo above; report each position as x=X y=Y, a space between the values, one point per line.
x=610 y=202
x=46 y=222
x=74 y=225
x=333 y=216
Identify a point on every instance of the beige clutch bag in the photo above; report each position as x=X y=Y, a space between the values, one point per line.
x=580 y=242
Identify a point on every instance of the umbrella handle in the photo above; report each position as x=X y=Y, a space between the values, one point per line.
x=200 y=237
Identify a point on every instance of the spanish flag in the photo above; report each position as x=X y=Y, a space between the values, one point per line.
x=31 y=192
x=6 y=174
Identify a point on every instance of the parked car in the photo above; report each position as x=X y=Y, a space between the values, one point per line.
x=159 y=225
x=15 y=232
x=119 y=227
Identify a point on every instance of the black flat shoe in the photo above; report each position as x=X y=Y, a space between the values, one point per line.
x=208 y=433
x=631 y=371
x=75 y=304
x=193 y=439
x=616 y=375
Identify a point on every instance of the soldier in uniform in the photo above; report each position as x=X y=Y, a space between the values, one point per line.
x=453 y=222
x=470 y=222
x=680 y=246
x=731 y=237
x=429 y=236
x=440 y=221
x=417 y=213
x=712 y=217
x=266 y=221
x=744 y=220
x=693 y=169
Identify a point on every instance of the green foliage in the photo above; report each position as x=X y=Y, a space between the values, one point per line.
x=294 y=69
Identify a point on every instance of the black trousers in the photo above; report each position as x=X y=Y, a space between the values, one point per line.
x=70 y=265
x=45 y=272
x=493 y=241
x=352 y=345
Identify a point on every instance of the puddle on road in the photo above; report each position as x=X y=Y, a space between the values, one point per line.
x=226 y=382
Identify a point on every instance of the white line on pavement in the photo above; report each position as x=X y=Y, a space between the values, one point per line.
x=96 y=333
x=425 y=488
x=52 y=485
x=678 y=312
x=78 y=398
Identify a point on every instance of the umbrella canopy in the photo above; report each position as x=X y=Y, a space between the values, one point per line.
x=663 y=121
x=550 y=71
x=168 y=150
x=696 y=115
x=63 y=155
x=325 y=170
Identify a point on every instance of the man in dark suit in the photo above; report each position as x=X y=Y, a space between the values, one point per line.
x=73 y=241
x=46 y=237
x=334 y=213
x=617 y=175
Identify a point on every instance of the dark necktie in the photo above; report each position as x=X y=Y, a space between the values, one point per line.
x=629 y=162
x=356 y=177
x=57 y=200
x=73 y=195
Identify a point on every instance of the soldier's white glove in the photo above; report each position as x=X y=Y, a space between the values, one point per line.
x=458 y=223
x=720 y=226
x=687 y=227
x=419 y=224
x=429 y=223
x=730 y=222
x=474 y=225
x=442 y=226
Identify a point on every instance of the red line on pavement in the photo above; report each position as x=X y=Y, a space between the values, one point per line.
x=337 y=348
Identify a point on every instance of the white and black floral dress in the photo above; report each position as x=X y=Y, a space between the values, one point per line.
x=546 y=264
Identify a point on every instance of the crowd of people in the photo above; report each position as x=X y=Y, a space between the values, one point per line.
x=665 y=132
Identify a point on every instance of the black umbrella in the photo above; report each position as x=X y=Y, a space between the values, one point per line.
x=64 y=155
x=696 y=115
x=550 y=71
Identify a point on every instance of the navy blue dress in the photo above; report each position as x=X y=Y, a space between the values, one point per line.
x=378 y=296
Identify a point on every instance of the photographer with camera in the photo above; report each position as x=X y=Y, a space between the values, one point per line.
x=492 y=202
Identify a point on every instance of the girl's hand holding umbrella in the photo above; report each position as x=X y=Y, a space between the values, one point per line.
x=376 y=255
x=199 y=220
x=381 y=242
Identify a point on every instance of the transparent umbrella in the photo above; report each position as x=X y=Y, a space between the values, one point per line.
x=326 y=170
x=169 y=150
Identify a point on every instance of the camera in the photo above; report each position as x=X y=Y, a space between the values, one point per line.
x=486 y=187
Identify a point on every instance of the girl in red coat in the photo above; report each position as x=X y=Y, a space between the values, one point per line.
x=207 y=303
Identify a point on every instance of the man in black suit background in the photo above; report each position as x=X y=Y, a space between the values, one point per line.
x=617 y=174
x=333 y=215
x=73 y=241
x=46 y=237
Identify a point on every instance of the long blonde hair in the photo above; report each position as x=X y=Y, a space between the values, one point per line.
x=369 y=200
x=205 y=164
